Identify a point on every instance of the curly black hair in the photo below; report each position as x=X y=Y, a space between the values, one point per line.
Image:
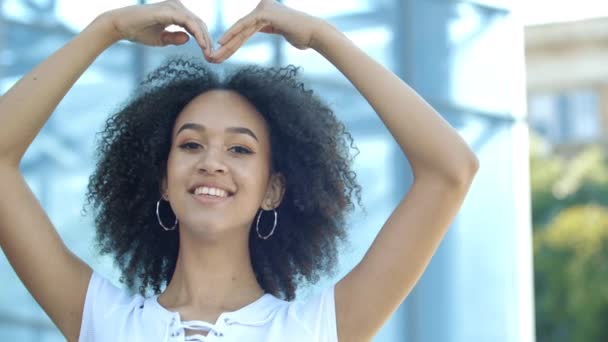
x=310 y=147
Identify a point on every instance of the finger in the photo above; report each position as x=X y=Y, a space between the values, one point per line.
x=192 y=27
x=206 y=36
x=183 y=17
x=239 y=26
x=175 y=38
x=231 y=46
x=209 y=48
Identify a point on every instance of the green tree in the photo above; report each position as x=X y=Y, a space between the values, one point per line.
x=570 y=221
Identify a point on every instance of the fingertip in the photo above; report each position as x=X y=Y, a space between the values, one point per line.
x=214 y=59
x=211 y=59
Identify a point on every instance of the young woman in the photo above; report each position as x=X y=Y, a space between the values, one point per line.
x=231 y=192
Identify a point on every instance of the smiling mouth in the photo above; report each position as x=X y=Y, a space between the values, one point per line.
x=208 y=194
x=213 y=191
x=211 y=199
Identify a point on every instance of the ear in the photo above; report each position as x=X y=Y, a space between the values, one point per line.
x=274 y=192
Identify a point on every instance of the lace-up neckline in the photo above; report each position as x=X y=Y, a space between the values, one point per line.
x=180 y=327
x=256 y=313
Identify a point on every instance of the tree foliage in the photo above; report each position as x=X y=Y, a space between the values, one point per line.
x=570 y=221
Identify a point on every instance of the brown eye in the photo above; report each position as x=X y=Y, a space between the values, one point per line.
x=240 y=150
x=189 y=146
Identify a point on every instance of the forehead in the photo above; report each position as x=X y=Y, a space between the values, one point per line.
x=219 y=109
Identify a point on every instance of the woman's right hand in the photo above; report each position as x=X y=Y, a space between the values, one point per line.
x=146 y=24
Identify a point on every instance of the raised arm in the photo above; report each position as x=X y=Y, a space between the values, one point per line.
x=441 y=161
x=443 y=167
x=55 y=277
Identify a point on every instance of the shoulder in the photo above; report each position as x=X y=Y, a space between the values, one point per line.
x=316 y=314
x=321 y=301
x=103 y=293
x=107 y=305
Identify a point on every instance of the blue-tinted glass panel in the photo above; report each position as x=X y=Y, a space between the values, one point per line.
x=375 y=41
x=78 y=14
x=462 y=65
x=324 y=8
x=34 y=12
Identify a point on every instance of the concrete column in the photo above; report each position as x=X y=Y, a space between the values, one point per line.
x=478 y=286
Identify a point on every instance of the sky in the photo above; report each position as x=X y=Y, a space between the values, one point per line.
x=545 y=11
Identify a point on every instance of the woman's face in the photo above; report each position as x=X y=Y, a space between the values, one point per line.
x=220 y=141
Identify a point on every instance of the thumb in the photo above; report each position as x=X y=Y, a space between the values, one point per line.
x=175 y=38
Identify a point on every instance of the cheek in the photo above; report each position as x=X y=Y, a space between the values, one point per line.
x=177 y=169
x=253 y=177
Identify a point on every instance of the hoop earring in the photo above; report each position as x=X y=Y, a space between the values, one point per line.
x=257 y=225
x=161 y=222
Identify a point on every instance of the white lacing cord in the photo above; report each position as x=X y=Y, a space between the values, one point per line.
x=196 y=325
x=211 y=328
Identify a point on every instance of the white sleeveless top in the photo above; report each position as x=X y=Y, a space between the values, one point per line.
x=111 y=314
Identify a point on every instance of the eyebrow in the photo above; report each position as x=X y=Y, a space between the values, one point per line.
x=201 y=128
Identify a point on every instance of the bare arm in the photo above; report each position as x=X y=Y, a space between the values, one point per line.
x=441 y=161
x=55 y=277
x=443 y=168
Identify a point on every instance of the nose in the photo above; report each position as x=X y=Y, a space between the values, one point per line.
x=211 y=161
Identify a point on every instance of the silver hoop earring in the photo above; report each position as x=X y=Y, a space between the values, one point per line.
x=160 y=221
x=257 y=225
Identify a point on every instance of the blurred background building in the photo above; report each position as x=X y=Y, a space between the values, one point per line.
x=465 y=57
x=567 y=82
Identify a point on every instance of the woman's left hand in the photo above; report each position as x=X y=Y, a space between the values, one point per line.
x=269 y=17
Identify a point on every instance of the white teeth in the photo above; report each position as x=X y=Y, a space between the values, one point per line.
x=210 y=191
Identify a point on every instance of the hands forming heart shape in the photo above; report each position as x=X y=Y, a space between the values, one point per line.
x=146 y=24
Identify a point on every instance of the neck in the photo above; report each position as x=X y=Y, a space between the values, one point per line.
x=212 y=275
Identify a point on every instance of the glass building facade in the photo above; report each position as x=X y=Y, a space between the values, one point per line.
x=464 y=57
